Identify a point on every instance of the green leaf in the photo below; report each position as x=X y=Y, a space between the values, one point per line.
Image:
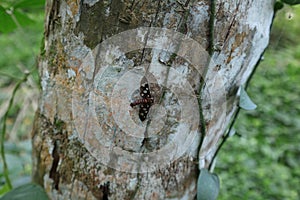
x=4 y=188
x=232 y=132
x=208 y=185
x=8 y=20
x=7 y=24
x=29 y=191
x=30 y=4
x=22 y=18
x=291 y=2
x=245 y=102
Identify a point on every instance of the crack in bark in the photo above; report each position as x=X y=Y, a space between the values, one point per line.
x=54 y=174
x=231 y=24
x=53 y=10
x=105 y=190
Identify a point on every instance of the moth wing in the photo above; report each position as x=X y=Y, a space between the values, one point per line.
x=156 y=92
x=143 y=112
x=144 y=89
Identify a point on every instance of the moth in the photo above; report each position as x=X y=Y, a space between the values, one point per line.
x=146 y=100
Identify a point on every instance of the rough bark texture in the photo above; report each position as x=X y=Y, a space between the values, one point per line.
x=89 y=144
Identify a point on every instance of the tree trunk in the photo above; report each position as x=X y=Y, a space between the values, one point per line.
x=89 y=143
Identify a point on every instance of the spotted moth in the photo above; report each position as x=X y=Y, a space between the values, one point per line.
x=146 y=100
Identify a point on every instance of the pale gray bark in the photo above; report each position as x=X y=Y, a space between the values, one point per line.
x=84 y=127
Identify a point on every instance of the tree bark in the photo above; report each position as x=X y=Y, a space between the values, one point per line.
x=88 y=143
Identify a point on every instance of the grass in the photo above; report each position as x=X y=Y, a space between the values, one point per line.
x=260 y=162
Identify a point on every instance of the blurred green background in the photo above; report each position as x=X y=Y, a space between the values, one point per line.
x=261 y=161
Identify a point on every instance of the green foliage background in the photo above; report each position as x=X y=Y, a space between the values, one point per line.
x=21 y=32
x=261 y=161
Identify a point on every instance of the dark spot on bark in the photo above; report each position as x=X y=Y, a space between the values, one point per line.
x=104 y=24
x=53 y=17
x=54 y=174
x=105 y=190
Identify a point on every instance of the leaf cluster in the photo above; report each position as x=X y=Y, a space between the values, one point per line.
x=14 y=13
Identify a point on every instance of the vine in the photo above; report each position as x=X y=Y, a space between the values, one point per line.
x=202 y=83
x=3 y=130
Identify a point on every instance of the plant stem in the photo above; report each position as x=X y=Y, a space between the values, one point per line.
x=3 y=131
